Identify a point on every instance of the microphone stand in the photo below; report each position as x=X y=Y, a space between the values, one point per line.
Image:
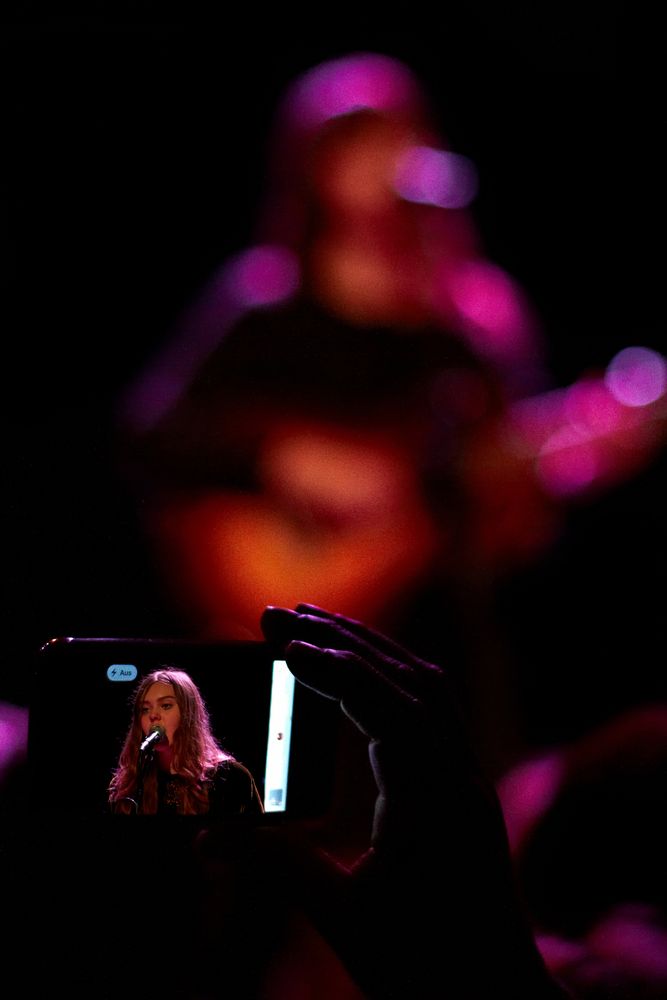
x=145 y=759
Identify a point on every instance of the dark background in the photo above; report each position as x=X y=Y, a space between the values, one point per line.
x=132 y=164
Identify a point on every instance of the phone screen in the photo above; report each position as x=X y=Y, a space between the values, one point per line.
x=81 y=710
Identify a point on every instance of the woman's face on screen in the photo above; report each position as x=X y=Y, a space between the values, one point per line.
x=160 y=708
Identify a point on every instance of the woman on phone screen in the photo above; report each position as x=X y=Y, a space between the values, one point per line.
x=171 y=763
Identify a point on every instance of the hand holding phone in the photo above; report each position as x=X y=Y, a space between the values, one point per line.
x=429 y=905
x=430 y=908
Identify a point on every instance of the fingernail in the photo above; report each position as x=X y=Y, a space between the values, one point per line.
x=278 y=623
x=276 y=611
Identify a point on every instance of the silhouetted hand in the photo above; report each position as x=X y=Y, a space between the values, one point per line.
x=430 y=909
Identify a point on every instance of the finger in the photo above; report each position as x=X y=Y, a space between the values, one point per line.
x=280 y=623
x=283 y=626
x=334 y=631
x=422 y=679
x=378 y=640
x=377 y=705
x=332 y=635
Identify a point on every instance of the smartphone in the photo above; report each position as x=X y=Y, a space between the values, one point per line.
x=81 y=709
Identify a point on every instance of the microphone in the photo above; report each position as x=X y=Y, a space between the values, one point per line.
x=156 y=735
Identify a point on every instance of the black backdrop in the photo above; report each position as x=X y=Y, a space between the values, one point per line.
x=132 y=160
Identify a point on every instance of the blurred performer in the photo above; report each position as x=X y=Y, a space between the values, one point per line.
x=367 y=192
x=356 y=407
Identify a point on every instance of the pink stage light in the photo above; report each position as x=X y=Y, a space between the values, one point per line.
x=488 y=301
x=364 y=80
x=569 y=462
x=436 y=177
x=636 y=376
x=589 y=405
x=264 y=275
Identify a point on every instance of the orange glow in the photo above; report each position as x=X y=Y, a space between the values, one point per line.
x=228 y=555
x=335 y=476
x=340 y=517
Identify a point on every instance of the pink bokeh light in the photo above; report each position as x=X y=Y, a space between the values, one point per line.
x=569 y=462
x=363 y=80
x=491 y=308
x=436 y=177
x=264 y=275
x=589 y=405
x=636 y=376
x=13 y=736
